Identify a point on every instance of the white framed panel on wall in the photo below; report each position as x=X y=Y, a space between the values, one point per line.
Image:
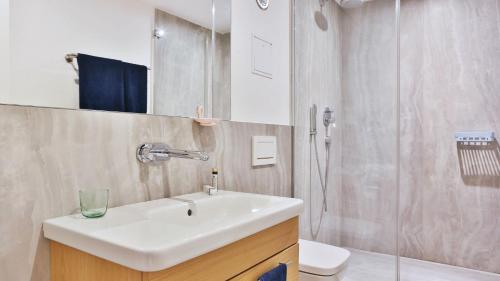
x=262 y=57
x=254 y=96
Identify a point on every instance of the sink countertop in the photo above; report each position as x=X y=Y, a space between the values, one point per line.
x=155 y=235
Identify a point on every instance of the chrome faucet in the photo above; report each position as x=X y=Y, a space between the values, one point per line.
x=156 y=152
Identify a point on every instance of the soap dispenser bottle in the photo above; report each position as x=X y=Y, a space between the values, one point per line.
x=215 y=179
x=214 y=187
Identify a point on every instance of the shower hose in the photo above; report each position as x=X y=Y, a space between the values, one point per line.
x=323 y=182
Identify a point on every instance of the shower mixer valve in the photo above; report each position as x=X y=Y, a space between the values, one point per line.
x=328 y=117
x=328 y=121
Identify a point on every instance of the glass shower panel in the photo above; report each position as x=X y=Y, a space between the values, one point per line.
x=450 y=190
x=370 y=140
x=346 y=59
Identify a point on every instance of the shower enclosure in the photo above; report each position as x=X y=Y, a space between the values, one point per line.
x=403 y=77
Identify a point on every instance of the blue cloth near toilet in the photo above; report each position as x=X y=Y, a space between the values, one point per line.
x=112 y=85
x=276 y=274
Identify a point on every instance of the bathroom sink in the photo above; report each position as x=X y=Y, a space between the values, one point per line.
x=155 y=235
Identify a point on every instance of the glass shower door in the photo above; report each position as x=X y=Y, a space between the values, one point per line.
x=346 y=59
x=450 y=189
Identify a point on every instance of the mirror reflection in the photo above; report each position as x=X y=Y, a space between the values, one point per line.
x=260 y=68
x=218 y=59
x=184 y=73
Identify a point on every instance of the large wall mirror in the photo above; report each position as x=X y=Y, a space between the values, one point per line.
x=220 y=59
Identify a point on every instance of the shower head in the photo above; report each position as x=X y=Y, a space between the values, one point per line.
x=351 y=3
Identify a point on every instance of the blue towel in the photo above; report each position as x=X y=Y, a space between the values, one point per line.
x=276 y=274
x=101 y=83
x=136 y=88
x=112 y=85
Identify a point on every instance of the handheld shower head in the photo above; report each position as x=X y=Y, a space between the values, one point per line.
x=312 y=119
x=328 y=121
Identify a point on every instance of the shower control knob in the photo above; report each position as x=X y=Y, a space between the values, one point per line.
x=328 y=117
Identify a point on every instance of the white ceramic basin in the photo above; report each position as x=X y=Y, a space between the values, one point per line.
x=156 y=235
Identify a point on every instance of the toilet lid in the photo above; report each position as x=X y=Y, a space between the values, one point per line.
x=321 y=259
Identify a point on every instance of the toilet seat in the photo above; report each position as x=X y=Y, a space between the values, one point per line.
x=321 y=259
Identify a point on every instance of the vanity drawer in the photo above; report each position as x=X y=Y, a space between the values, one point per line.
x=233 y=259
x=289 y=256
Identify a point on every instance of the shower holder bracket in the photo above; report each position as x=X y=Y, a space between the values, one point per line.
x=475 y=137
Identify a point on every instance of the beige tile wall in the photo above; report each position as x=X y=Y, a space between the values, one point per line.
x=49 y=154
x=450 y=69
x=317 y=80
x=450 y=81
x=369 y=143
x=181 y=68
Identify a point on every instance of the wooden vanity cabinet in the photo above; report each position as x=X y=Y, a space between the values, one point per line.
x=243 y=260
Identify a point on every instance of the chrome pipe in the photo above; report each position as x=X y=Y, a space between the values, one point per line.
x=186 y=154
x=157 y=152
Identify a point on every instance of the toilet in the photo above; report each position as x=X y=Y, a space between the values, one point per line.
x=321 y=262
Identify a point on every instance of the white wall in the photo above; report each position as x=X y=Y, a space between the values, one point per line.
x=119 y=29
x=255 y=98
x=4 y=49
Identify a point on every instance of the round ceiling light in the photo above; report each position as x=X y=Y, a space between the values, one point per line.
x=263 y=4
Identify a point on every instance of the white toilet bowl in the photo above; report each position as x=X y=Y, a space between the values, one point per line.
x=321 y=262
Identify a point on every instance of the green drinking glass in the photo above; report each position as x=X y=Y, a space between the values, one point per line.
x=94 y=202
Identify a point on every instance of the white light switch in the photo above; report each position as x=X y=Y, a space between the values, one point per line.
x=263 y=150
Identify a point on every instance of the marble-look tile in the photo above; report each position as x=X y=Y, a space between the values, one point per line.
x=448 y=83
x=48 y=155
x=412 y=171
x=334 y=66
x=368 y=266
x=317 y=75
x=181 y=66
x=182 y=60
x=450 y=67
x=450 y=52
x=369 y=91
x=221 y=98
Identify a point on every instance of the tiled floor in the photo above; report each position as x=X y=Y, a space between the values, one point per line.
x=367 y=266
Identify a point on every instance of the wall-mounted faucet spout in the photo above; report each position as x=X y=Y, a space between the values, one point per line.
x=156 y=152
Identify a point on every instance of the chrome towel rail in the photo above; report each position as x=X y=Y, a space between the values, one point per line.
x=70 y=58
